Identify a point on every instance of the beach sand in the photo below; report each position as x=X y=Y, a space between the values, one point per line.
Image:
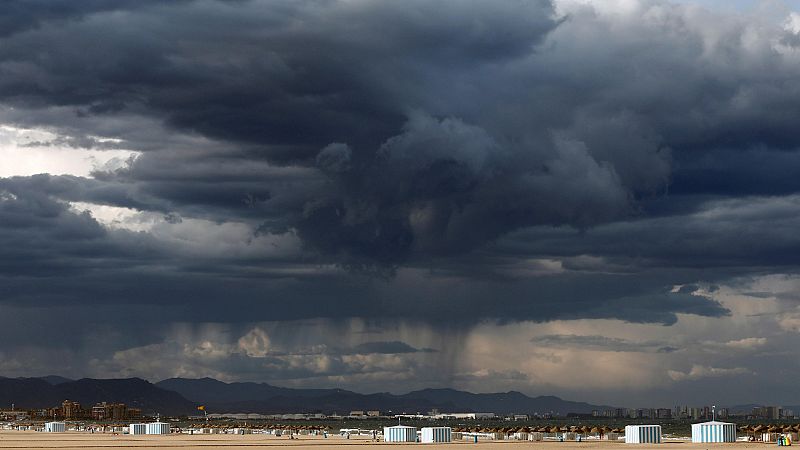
x=76 y=440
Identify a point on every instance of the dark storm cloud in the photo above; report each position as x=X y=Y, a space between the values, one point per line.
x=300 y=74
x=735 y=235
x=22 y=15
x=438 y=127
x=353 y=74
x=503 y=163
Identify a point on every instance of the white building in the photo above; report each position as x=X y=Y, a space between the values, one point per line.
x=713 y=432
x=400 y=433
x=459 y=416
x=137 y=428
x=55 y=427
x=436 y=434
x=643 y=434
x=157 y=428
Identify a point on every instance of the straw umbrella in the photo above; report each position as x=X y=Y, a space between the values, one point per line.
x=745 y=429
x=758 y=431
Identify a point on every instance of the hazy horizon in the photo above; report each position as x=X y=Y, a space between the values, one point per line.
x=592 y=199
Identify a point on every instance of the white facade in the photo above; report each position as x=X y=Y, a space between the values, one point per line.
x=400 y=433
x=643 y=434
x=713 y=432
x=436 y=434
x=55 y=427
x=157 y=428
x=137 y=428
x=456 y=416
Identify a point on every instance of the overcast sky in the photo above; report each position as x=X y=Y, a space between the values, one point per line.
x=593 y=199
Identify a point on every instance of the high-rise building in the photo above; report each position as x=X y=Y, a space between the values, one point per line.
x=767 y=412
x=110 y=411
x=71 y=410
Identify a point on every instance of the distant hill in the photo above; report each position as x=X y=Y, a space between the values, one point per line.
x=135 y=392
x=27 y=393
x=55 y=379
x=178 y=396
x=264 y=398
x=211 y=390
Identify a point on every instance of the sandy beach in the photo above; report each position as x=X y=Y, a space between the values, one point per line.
x=34 y=440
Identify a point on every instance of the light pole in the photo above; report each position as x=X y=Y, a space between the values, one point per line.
x=714 y=413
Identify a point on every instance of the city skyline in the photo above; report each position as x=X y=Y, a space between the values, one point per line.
x=591 y=199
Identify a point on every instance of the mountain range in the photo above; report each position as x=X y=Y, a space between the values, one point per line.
x=264 y=398
x=181 y=396
x=48 y=392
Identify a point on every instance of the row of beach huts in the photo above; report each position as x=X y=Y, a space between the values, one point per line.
x=166 y=428
x=134 y=428
x=707 y=432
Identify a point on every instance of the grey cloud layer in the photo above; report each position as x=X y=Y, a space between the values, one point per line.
x=496 y=161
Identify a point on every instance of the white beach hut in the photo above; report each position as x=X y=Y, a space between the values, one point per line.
x=400 y=433
x=157 y=428
x=713 y=432
x=643 y=434
x=436 y=434
x=55 y=427
x=137 y=428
